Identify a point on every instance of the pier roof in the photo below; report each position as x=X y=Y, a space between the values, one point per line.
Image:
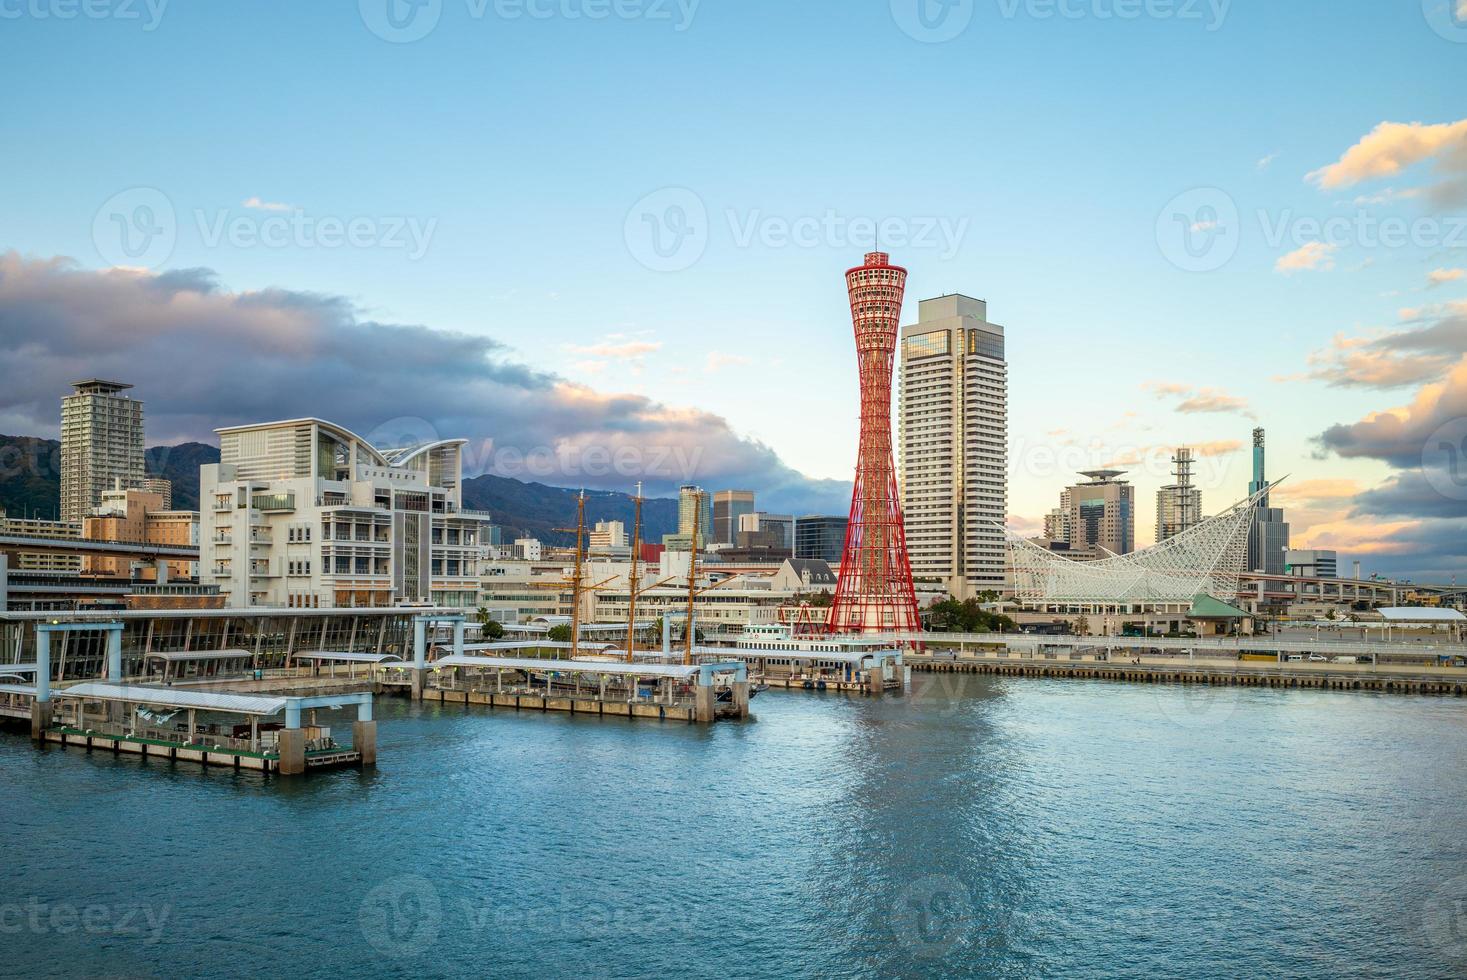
x=571 y=666
x=533 y=645
x=240 y=704
x=327 y=656
x=187 y=656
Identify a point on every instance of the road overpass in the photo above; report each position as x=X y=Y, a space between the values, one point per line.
x=16 y=543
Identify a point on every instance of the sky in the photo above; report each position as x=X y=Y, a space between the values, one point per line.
x=604 y=239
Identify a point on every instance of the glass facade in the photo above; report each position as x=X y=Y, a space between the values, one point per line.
x=926 y=345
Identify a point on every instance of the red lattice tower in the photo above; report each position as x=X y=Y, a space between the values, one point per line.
x=875 y=593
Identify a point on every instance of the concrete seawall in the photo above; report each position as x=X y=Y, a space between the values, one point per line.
x=1339 y=677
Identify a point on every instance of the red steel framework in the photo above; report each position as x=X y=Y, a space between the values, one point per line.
x=875 y=593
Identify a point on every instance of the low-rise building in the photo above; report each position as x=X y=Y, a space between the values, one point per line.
x=306 y=514
x=139 y=517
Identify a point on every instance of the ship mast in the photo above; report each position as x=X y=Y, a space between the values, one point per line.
x=635 y=577
x=692 y=578
x=576 y=577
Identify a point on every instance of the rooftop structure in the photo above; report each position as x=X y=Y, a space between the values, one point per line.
x=1206 y=559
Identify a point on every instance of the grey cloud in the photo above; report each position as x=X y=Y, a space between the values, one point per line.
x=202 y=356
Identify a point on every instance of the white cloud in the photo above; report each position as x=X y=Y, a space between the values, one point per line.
x=718 y=360
x=257 y=204
x=1310 y=255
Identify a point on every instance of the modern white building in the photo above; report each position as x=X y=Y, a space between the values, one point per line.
x=101 y=444
x=306 y=514
x=952 y=435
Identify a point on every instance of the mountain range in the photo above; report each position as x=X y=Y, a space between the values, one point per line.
x=30 y=485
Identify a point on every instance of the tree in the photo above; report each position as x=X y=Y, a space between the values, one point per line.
x=489 y=627
x=1082 y=625
x=951 y=616
x=560 y=633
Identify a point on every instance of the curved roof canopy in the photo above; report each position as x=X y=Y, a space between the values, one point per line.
x=1206 y=559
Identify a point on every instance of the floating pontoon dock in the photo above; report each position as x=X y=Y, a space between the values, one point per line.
x=674 y=692
x=136 y=719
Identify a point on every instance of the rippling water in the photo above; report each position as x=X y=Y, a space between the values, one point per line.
x=1008 y=827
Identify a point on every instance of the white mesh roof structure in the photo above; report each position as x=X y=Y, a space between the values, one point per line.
x=1203 y=560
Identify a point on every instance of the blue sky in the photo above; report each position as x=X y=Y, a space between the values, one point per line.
x=1046 y=139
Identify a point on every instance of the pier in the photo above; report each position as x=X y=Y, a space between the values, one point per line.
x=1142 y=669
x=701 y=693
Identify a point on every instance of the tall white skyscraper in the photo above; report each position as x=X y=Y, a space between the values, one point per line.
x=101 y=445
x=952 y=436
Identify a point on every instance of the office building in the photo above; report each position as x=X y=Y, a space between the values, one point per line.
x=101 y=444
x=780 y=525
x=729 y=506
x=139 y=517
x=694 y=507
x=1313 y=563
x=1102 y=514
x=305 y=514
x=952 y=427
x=820 y=537
x=1178 y=504
x=1269 y=538
x=606 y=535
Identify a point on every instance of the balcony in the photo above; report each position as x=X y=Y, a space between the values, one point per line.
x=273 y=502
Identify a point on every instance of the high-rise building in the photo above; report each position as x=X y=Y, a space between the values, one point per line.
x=1102 y=514
x=875 y=592
x=1057 y=524
x=162 y=486
x=820 y=537
x=304 y=514
x=728 y=507
x=101 y=443
x=694 y=507
x=1269 y=538
x=953 y=434
x=1179 y=504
